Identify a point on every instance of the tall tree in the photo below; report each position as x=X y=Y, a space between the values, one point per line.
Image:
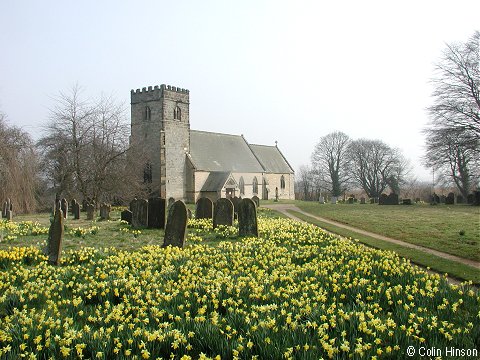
x=18 y=167
x=375 y=166
x=85 y=148
x=453 y=133
x=330 y=158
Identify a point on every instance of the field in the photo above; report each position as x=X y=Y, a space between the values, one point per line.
x=296 y=292
x=451 y=229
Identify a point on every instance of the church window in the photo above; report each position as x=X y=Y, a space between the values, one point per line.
x=177 y=113
x=255 y=185
x=282 y=182
x=147 y=113
x=241 y=185
x=147 y=173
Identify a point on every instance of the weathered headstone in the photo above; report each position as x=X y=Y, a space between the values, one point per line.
x=476 y=201
x=276 y=194
x=64 y=207
x=247 y=218
x=9 y=215
x=334 y=200
x=176 y=229
x=156 y=213
x=4 y=210
x=90 y=208
x=76 y=210
x=391 y=199
x=84 y=204
x=55 y=238
x=321 y=200
x=383 y=199
x=105 y=211
x=362 y=200
x=132 y=203
x=407 y=202
x=223 y=212
x=470 y=199
x=140 y=213
x=72 y=204
x=450 y=199
x=350 y=200
x=126 y=215
x=204 y=208
x=256 y=200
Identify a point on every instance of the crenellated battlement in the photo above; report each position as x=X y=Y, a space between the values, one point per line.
x=157 y=88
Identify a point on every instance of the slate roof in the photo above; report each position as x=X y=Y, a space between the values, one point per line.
x=271 y=159
x=222 y=152
x=215 y=181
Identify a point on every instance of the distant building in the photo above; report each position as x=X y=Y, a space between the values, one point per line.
x=187 y=164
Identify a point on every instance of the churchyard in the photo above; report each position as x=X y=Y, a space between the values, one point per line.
x=282 y=290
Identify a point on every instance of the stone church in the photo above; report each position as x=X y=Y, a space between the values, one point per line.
x=187 y=164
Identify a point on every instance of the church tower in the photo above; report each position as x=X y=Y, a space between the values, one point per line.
x=161 y=127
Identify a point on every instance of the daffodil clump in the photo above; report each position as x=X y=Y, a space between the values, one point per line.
x=82 y=232
x=294 y=293
x=10 y=230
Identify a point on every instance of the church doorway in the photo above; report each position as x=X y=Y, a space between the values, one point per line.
x=230 y=193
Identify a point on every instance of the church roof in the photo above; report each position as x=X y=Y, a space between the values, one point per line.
x=271 y=159
x=222 y=152
x=217 y=180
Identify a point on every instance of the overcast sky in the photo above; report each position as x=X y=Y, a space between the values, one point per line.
x=290 y=71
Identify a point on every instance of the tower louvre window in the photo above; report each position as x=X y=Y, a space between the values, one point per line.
x=147 y=113
x=177 y=113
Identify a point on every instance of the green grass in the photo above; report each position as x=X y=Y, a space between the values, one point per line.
x=453 y=268
x=436 y=227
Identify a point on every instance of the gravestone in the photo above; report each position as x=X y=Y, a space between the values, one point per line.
x=362 y=200
x=391 y=199
x=276 y=194
x=321 y=200
x=450 y=199
x=55 y=238
x=223 y=212
x=256 y=200
x=9 y=215
x=204 y=208
x=126 y=215
x=140 y=213
x=407 y=202
x=176 y=229
x=156 y=213
x=4 y=210
x=90 y=209
x=443 y=198
x=72 y=204
x=333 y=200
x=64 y=207
x=171 y=201
x=76 y=211
x=130 y=206
x=84 y=204
x=383 y=199
x=247 y=218
x=460 y=199
x=476 y=201
x=105 y=211
x=470 y=199
x=350 y=200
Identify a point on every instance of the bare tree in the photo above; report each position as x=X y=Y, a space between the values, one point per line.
x=375 y=166
x=330 y=158
x=85 y=148
x=454 y=159
x=457 y=86
x=18 y=167
x=305 y=183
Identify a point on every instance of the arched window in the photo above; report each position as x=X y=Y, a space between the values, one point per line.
x=282 y=182
x=147 y=113
x=255 y=185
x=147 y=173
x=241 y=185
x=177 y=113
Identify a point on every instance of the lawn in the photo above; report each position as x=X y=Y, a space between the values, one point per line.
x=451 y=229
x=296 y=292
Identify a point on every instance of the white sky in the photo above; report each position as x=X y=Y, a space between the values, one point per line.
x=290 y=71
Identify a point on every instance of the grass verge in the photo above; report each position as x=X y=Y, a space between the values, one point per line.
x=453 y=268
